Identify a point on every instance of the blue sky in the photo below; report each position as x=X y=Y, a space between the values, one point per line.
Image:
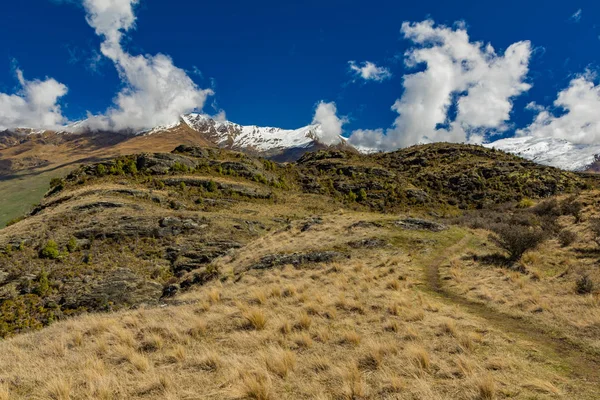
x=271 y=62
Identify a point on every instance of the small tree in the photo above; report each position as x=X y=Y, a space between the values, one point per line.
x=43 y=284
x=212 y=186
x=50 y=250
x=516 y=239
x=72 y=245
x=101 y=169
x=362 y=195
x=352 y=196
x=130 y=167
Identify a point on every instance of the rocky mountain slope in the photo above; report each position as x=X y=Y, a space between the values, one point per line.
x=210 y=273
x=134 y=229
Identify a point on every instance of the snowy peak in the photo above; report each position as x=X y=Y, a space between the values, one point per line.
x=263 y=139
x=558 y=153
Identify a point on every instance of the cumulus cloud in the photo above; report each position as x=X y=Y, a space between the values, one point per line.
x=580 y=122
x=467 y=77
x=331 y=124
x=155 y=92
x=369 y=71
x=35 y=105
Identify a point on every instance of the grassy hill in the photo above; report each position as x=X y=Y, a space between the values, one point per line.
x=206 y=273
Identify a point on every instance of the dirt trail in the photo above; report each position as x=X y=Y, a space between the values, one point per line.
x=583 y=365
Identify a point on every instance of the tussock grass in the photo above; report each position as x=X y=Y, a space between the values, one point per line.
x=253 y=341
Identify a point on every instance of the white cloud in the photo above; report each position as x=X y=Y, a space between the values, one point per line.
x=155 y=92
x=576 y=17
x=457 y=72
x=35 y=105
x=331 y=124
x=580 y=122
x=369 y=71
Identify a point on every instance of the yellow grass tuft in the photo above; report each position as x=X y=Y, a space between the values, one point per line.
x=542 y=386
x=419 y=356
x=255 y=385
x=209 y=361
x=353 y=384
x=214 y=296
x=449 y=327
x=303 y=340
x=486 y=387
x=254 y=318
x=350 y=337
x=304 y=322
x=280 y=362
x=197 y=329
x=59 y=388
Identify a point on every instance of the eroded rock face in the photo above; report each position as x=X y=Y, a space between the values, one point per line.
x=297 y=259
x=120 y=288
x=420 y=224
x=161 y=163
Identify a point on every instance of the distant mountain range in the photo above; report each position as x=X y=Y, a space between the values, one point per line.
x=289 y=144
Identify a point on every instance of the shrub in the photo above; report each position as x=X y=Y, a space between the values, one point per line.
x=130 y=167
x=584 y=285
x=50 y=250
x=516 y=239
x=525 y=203
x=43 y=284
x=261 y=179
x=72 y=245
x=362 y=195
x=572 y=207
x=212 y=186
x=547 y=208
x=566 y=238
x=352 y=196
x=101 y=170
x=595 y=228
x=179 y=167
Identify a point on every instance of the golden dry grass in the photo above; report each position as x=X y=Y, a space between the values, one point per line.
x=338 y=331
x=547 y=293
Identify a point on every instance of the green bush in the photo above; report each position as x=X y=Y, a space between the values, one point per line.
x=362 y=195
x=525 y=203
x=517 y=239
x=179 y=167
x=566 y=237
x=130 y=167
x=72 y=245
x=584 y=285
x=352 y=196
x=50 y=250
x=101 y=170
x=212 y=186
x=43 y=284
x=261 y=179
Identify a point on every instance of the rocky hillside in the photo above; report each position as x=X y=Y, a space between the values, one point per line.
x=139 y=228
x=209 y=273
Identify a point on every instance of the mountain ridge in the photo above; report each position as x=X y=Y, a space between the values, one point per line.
x=289 y=144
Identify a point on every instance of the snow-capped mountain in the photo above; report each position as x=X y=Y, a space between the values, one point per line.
x=263 y=139
x=548 y=151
